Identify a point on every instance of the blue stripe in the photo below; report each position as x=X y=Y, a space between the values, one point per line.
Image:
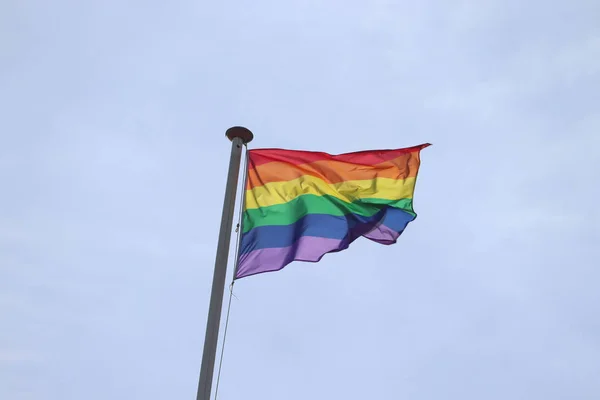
x=348 y=226
x=397 y=219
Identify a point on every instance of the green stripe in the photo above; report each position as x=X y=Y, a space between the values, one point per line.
x=292 y=211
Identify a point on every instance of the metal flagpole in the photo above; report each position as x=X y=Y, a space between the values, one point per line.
x=238 y=136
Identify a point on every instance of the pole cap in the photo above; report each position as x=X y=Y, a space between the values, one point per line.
x=239 y=132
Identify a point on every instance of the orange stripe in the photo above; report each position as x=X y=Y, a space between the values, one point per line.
x=402 y=167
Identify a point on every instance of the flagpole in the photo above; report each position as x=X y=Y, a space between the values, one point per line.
x=238 y=136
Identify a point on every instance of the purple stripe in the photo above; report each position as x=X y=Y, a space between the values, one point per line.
x=307 y=248
x=382 y=234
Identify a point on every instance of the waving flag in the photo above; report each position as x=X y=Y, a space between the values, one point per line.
x=301 y=205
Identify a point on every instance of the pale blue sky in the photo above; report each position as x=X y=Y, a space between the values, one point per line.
x=113 y=162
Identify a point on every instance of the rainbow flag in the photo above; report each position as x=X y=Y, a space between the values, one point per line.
x=301 y=205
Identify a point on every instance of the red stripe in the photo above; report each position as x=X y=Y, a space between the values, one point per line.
x=330 y=171
x=298 y=157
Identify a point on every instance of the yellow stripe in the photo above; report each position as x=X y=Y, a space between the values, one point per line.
x=281 y=192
